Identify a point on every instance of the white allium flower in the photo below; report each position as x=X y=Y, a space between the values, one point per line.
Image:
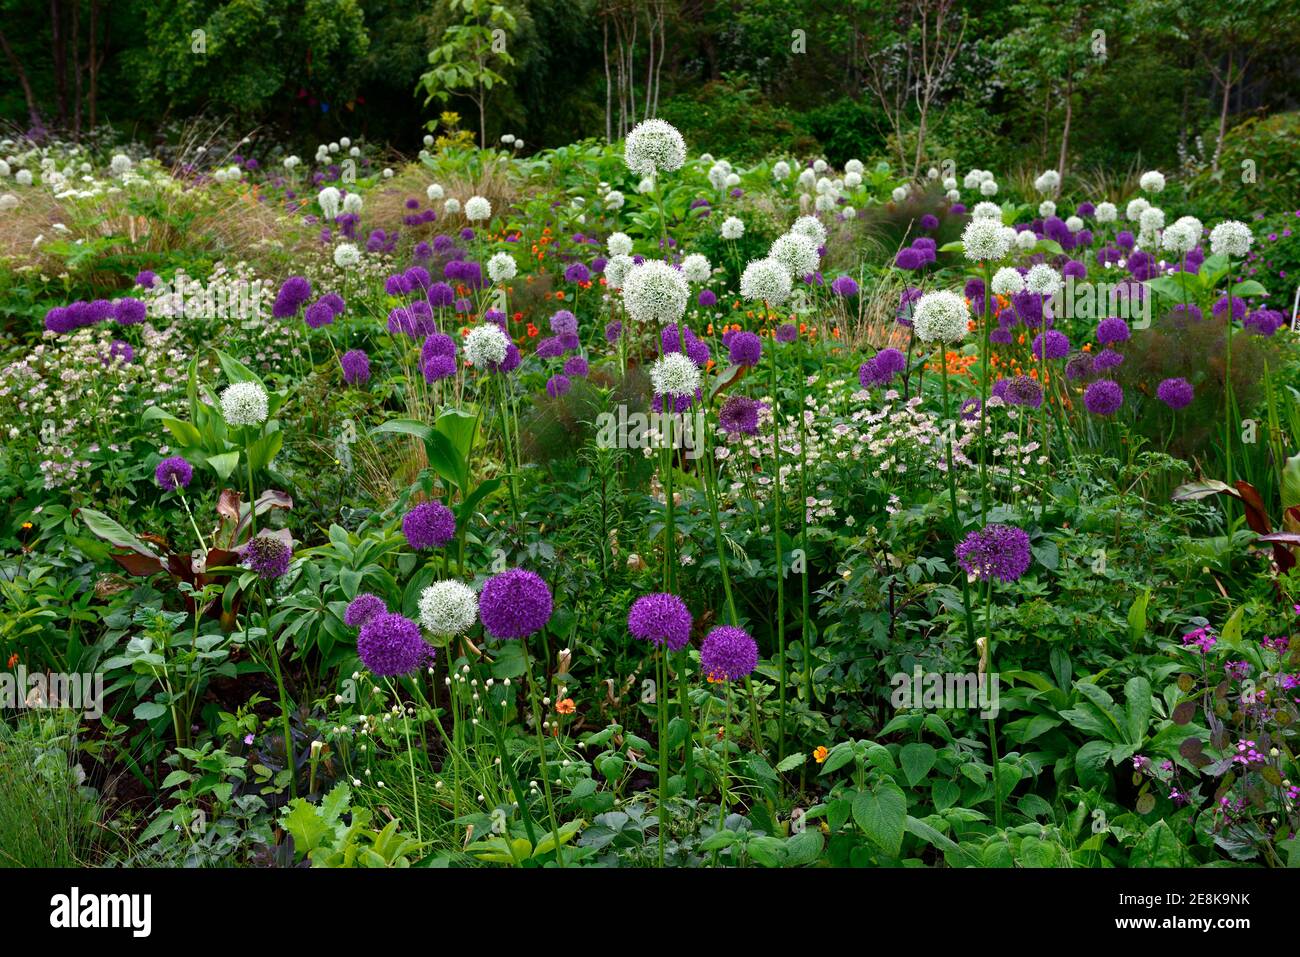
x=1231 y=238
x=655 y=292
x=696 y=268
x=352 y=203
x=613 y=199
x=766 y=280
x=448 y=608
x=1152 y=219
x=647 y=185
x=333 y=147
x=717 y=176
x=796 y=252
x=932 y=173
x=1048 y=182
x=477 y=208
x=1007 y=281
x=985 y=239
x=452 y=206
x=987 y=210
x=507 y=138
x=502 y=267
x=733 y=179
x=806 y=178
x=344 y=142
x=7 y=202
x=619 y=244
x=674 y=375
x=1046 y=208
x=290 y=162
x=732 y=228
x=428 y=139
x=243 y=403
x=971 y=180
x=1184 y=235
x=781 y=170
x=988 y=188
x=1106 y=213
x=434 y=192
x=486 y=345
x=824 y=186
x=811 y=227
x=953 y=195
x=1074 y=224
x=616 y=270
x=1152 y=181
x=330 y=200
x=1026 y=239
x=120 y=165
x=854 y=166
x=986 y=176
x=1135 y=209
x=820 y=166
x=940 y=317
x=899 y=194
x=1043 y=279
x=356 y=151
x=346 y=255
x=4 y=169
x=654 y=146
x=825 y=203
x=519 y=144
x=852 y=180
x=848 y=212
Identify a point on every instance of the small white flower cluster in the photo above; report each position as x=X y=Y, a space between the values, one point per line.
x=654 y=146
x=477 y=209
x=1048 y=183
x=1183 y=235
x=732 y=228
x=940 y=317
x=766 y=280
x=448 y=608
x=486 y=345
x=502 y=267
x=244 y=404
x=655 y=292
x=1231 y=238
x=674 y=375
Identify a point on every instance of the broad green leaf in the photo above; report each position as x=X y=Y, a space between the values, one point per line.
x=881 y=815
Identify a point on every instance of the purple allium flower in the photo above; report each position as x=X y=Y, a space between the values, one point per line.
x=1175 y=393
x=576 y=366
x=1238 y=307
x=707 y=298
x=173 y=473
x=129 y=312
x=549 y=348
x=1055 y=343
x=787 y=332
x=267 y=554
x=577 y=272
x=1074 y=268
x=356 y=366
x=438 y=367
x=146 y=278
x=613 y=331
x=558 y=385
x=441 y=295
x=293 y=293
x=429 y=525
x=1079 y=367
x=909 y=259
x=564 y=323
x=929 y=222
x=662 y=619
x=739 y=414
x=728 y=654
x=390 y=645
x=1103 y=397
x=1024 y=390
x=318 y=314
x=362 y=608
x=1106 y=359
x=334 y=302
x=1264 y=322
x=745 y=349
x=1112 y=330
x=997 y=551
x=514 y=604
x=118 y=349
x=844 y=286
x=957 y=209
x=1085 y=209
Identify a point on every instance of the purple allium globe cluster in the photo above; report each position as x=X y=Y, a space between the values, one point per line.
x=662 y=619
x=429 y=525
x=514 y=604
x=996 y=551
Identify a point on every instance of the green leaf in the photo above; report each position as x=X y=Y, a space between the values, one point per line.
x=917 y=759
x=224 y=464
x=1137 y=617
x=1158 y=847
x=113 y=533
x=236 y=371
x=791 y=762
x=881 y=815
x=1137 y=694
x=804 y=848
x=149 y=710
x=840 y=755
x=261 y=452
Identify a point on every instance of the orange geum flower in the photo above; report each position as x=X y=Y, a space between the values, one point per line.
x=820 y=753
x=565 y=706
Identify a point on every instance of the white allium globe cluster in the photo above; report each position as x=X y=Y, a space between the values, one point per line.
x=434 y=192
x=987 y=210
x=811 y=227
x=346 y=255
x=766 y=280
x=940 y=317
x=732 y=228
x=654 y=146
x=1106 y=213
x=1133 y=212
x=1048 y=183
x=352 y=203
x=616 y=270
x=1043 y=279
x=448 y=608
x=1046 y=208
x=1026 y=240
x=1152 y=181
x=696 y=268
x=452 y=206
x=1007 y=282
x=781 y=170
x=330 y=200
x=244 y=404
x=1183 y=235
x=1231 y=238
x=987 y=239
x=796 y=252
x=502 y=267
x=477 y=208
x=619 y=244
x=486 y=345
x=674 y=375
x=655 y=292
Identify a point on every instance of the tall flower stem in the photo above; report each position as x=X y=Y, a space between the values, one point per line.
x=541 y=751
x=510 y=456
x=193 y=525
x=1227 y=381
x=410 y=758
x=806 y=622
x=950 y=428
x=988 y=676
x=776 y=539
x=986 y=359
x=274 y=651
x=661 y=701
x=508 y=765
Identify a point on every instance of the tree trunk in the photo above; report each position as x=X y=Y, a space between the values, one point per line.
x=608 y=92
x=22 y=80
x=1065 y=131
x=94 y=62
x=1223 y=114
x=59 y=55
x=76 y=70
